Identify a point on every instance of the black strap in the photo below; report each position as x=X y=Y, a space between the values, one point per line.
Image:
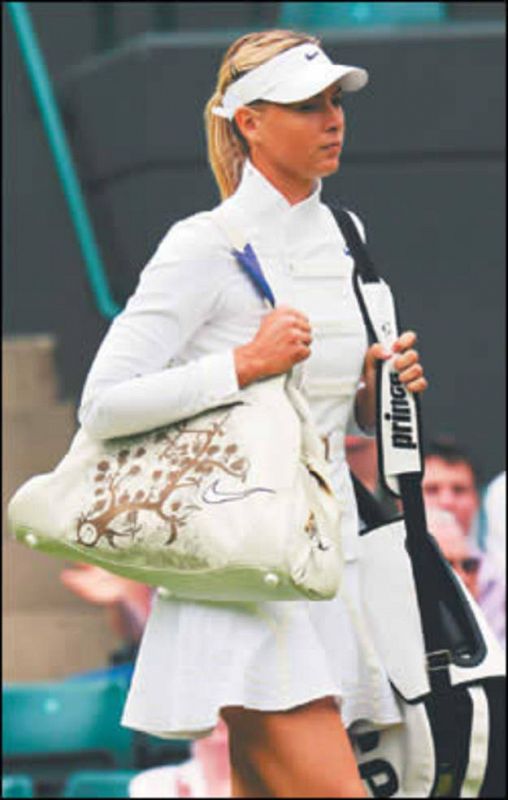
x=371 y=333
x=362 y=259
x=364 y=267
x=419 y=543
x=369 y=507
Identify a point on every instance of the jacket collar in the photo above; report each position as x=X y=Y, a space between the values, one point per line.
x=260 y=200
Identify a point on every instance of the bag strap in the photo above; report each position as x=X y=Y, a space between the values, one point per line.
x=398 y=418
x=369 y=508
x=400 y=409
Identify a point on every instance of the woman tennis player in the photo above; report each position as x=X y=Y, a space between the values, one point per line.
x=288 y=678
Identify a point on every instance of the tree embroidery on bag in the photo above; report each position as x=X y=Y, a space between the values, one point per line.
x=184 y=456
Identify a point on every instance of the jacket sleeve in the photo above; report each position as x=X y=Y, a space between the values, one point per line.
x=132 y=385
x=353 y=427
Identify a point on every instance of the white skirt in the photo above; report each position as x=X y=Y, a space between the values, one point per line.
x=197 y=657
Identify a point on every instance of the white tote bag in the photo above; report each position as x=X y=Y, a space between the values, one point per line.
x=233 y=504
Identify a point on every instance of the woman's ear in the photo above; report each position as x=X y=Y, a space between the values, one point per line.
x=248 y=122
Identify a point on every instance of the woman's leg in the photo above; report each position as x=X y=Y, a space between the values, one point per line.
x=302 y=752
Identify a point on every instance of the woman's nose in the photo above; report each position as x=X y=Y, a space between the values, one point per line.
x=334 y=116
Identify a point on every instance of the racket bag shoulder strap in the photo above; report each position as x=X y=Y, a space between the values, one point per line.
x=464 y=663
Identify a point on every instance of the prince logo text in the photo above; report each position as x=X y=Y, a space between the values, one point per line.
x=400 y=416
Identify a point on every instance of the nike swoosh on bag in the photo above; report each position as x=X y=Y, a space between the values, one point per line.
x=310 y=56
x=212 y=495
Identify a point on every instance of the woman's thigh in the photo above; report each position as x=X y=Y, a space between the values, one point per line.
x=302 y=752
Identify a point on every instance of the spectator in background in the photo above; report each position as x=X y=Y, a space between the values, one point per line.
x=494 y=504
x=462 y=555
x=451 y=483
x=468 y=561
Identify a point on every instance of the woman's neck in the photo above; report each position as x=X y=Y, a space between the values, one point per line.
x=292 y=187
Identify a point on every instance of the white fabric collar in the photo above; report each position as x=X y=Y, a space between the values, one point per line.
x=258 y=197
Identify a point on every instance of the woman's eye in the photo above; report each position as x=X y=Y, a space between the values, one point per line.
x=317 y=106
x=337 y=101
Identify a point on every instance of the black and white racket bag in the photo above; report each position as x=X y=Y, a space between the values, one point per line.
x=443 y=661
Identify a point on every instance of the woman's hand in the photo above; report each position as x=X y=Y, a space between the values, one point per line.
x=407 y=364
x=283 y=339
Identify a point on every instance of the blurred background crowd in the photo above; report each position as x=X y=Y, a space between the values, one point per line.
x=424 y=169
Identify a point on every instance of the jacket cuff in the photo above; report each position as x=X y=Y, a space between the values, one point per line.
x=219 y=376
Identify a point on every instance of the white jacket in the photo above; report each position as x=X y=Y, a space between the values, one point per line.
x=169 y=354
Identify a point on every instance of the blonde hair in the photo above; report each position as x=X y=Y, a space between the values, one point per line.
x=227 y=149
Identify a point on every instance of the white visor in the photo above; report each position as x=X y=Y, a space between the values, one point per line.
x=296 y=74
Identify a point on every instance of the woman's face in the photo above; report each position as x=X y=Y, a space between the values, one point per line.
x=296 y=141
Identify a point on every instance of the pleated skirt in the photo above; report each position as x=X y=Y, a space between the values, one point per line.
x=198 y=657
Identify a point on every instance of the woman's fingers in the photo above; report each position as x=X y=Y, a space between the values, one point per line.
x=302 y=325
x=405 y=340
x=298 y=317
x=407 y=359
x=413 y=378
x=302 y=335
x=300 y=331
x=407 y=362
x=418 y=385
x=376 y=352
x=411 y=373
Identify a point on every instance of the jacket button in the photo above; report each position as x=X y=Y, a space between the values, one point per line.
x=324 y=543
x=271 y=579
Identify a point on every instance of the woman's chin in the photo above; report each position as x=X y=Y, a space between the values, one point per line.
x=329 y=165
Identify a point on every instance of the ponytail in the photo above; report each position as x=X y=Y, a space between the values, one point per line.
x=227 y=149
